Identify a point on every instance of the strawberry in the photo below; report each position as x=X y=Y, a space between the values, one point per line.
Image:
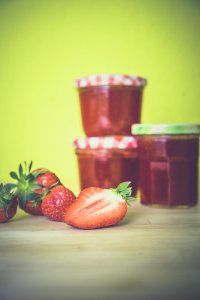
x=32 y=186
x=96 y=207
x=8 y=202
x=56 y=202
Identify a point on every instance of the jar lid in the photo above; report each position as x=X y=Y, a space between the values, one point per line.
x=108 y=142
x=109 y=79
x=145 y=129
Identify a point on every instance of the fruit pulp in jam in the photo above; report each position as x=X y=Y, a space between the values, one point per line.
x=106 y=168
x=168 y=170
x=110 y=110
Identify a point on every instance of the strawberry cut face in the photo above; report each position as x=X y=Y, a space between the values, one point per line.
x=96 y=208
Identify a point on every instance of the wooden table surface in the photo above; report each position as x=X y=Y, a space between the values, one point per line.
x=153 y=254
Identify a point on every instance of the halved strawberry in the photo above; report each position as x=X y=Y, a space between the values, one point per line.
x=56 y=202
x=8 y=202
x=96 y=207
x=32 y=185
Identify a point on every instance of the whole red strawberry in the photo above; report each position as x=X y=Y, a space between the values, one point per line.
x=32 y=185
x=8 y=202
x=56 y=202
x=96 y=207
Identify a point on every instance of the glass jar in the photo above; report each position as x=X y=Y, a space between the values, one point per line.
x=107 y=161
x=110 y=104
x=168 y=163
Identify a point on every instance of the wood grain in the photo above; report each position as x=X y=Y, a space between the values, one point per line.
x=153 y=253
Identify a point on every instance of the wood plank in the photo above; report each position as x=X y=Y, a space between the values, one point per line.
x=153 y=254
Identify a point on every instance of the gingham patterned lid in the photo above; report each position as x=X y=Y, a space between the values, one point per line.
x=108 y=142
x=109 y=79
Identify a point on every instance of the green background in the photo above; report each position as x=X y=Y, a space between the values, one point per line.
x=45 y=45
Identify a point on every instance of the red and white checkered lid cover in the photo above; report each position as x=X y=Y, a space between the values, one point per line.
x=109 y=79
x=108 y=142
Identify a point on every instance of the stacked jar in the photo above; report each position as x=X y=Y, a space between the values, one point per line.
x=109 y=105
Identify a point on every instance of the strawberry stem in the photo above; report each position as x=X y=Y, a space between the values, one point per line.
x=125 y=191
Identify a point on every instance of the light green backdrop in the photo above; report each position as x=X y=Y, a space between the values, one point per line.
x=45 y=45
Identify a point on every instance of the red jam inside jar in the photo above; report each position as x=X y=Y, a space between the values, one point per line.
x=110 y=104
x=106 y=162
x=168 y=164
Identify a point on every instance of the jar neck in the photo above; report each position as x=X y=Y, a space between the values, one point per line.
x=129 y=152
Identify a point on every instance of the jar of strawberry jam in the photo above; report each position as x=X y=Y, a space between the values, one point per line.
x=110 y=104
x=106 y=161
x=168 y=163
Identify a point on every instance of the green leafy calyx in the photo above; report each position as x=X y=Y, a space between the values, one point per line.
x=26 y=184
x=7 y=195
x=125 y=191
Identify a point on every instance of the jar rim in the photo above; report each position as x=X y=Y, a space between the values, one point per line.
x=147 y=129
